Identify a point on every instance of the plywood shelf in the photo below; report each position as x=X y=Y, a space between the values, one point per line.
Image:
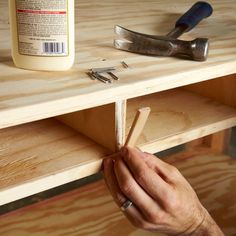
x=42 y=155
x=177 y=117
x=27 y=96
x=90 y=210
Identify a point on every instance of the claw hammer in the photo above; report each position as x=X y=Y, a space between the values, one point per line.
x=169 y=45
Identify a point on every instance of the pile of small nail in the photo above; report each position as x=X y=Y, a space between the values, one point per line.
x=101 y=74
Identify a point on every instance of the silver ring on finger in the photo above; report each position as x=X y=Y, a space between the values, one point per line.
x=126 y=205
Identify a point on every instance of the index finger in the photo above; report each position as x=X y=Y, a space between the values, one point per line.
x=150 y=181
x=169 y=172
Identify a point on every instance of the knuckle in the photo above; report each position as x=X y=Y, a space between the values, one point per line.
x=155 y=217
x=127 y=187
x=141 y=175
x=173 y=203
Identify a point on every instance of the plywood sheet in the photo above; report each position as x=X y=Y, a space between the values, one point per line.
x=42 y=155
x=98 y=123
x=27 y=96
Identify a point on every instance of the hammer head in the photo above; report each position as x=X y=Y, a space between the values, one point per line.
x=160 y=46
x=200 y=49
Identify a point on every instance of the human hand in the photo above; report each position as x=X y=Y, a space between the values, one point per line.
x=163 y=200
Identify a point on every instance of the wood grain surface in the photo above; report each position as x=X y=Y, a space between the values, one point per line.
x=91 y=211
x=178 y=116
x=221 y=89
x=42 y=155
x=98 y=123
x=219 y=142
x=137 y=126
x=45 y=154
x=27 y=95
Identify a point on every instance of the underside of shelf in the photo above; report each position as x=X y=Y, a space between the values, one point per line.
x=177 y=117
x=42 y=155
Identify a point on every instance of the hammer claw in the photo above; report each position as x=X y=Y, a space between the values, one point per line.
x=147 y=46
x=128 y=35
x=123 y=45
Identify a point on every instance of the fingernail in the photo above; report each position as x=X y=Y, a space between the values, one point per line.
x=106 y=163
x=124 y=151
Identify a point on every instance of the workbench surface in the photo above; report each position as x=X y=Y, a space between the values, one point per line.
x=27 y=95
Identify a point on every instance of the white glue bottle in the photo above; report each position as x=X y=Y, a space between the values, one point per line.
x=42 y=34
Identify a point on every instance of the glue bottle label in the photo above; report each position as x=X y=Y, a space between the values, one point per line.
x=42 y=27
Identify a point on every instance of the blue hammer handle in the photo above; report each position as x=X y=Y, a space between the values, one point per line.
x=194 y=15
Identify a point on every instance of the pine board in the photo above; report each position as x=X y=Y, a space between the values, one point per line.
x=28 y=96
x=97 y=123
x=42 y=155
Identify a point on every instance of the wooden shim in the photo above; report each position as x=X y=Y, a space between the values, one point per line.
x=137 y=126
